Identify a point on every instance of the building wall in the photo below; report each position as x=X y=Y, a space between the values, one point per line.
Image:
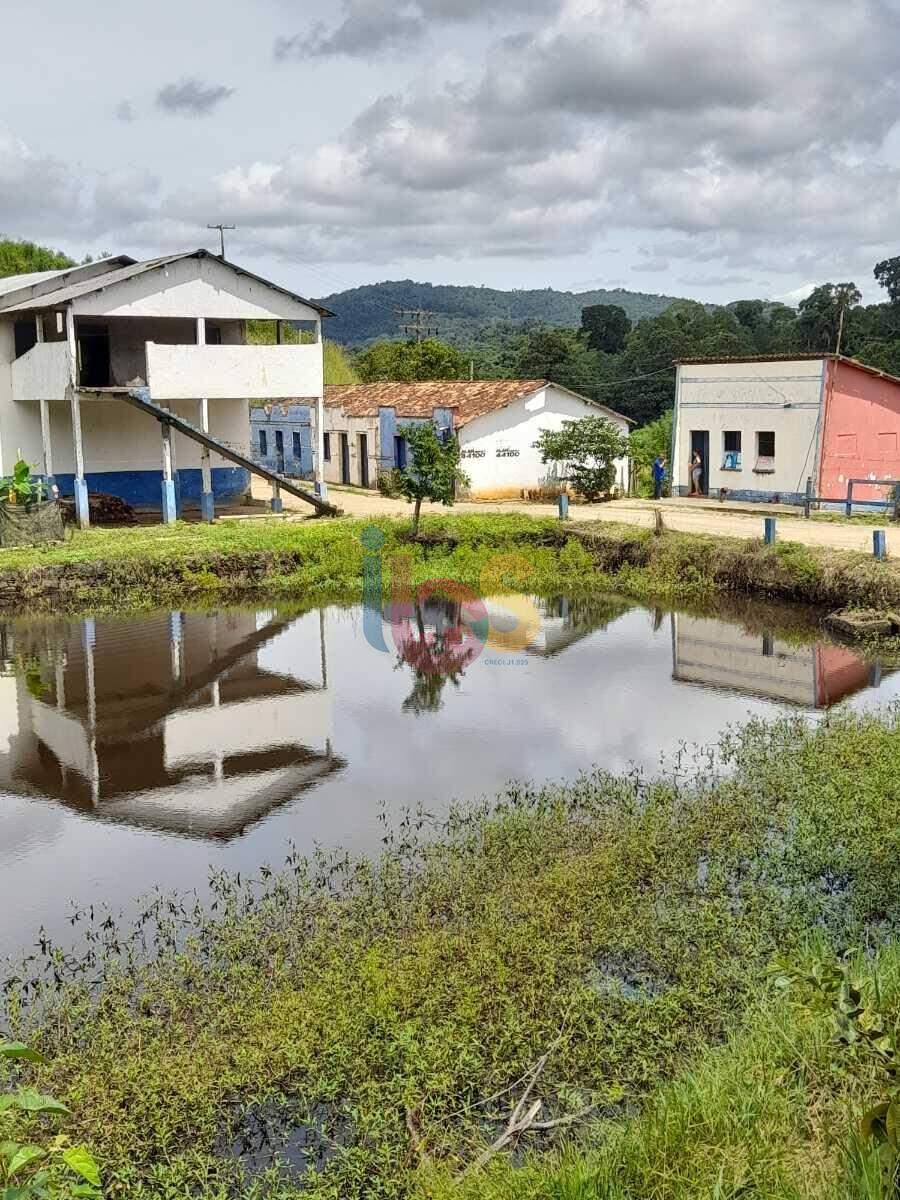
x=288 y=420
x=389 y=425
x=498 y=449
x=861 y=437
x=336 y=423
x=779 y=397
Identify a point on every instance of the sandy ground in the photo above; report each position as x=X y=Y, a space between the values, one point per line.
x=686 y=516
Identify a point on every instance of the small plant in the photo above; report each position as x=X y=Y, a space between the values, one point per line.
x=29 y=1171
x=433 y=471
x=19 y=488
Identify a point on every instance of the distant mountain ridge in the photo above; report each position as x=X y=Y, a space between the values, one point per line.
x=369 y=313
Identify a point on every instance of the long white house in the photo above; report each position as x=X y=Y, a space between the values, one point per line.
x=497 y=422
x=83 y=348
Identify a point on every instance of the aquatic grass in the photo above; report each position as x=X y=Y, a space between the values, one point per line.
x=619 y=925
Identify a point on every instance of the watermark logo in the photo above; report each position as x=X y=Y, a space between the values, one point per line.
x=441 y=626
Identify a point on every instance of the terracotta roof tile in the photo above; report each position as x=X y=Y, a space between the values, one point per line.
x=468 y=398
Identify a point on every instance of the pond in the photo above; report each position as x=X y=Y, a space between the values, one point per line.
x=138 y=751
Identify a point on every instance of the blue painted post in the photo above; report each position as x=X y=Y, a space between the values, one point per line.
x=563 y=506
x=879 y=544
x=169 y=507
x=770 y=531
x=207 y=503
x=277 y=503
x=82 y=505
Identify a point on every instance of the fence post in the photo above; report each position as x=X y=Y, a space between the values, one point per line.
x=897 y=501
x=849 y=507
x=879 y=544
x=807 y=503
x=563 y=506
x=770 y=531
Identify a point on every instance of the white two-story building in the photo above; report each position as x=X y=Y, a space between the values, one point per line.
x=81 y=349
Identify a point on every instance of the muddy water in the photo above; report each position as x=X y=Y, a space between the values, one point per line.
x=135 y=752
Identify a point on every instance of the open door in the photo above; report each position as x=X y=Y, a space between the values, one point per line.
x=363 y=460
x=345 y=458
x=700 y=444
x=93 y=356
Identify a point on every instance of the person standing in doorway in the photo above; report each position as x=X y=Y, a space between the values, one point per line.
x=696 y=472
x=659 y=476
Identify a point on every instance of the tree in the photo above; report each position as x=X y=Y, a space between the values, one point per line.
x=646 y=444
x=21 y=258
x=587 y=449
x=338 y=364
x=560 y=355
x=820 y=313
x=411 y=361
x=605 y=327
x=887 y=272
x=432 y=471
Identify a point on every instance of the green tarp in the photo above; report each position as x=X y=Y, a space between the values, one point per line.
x=31 y=524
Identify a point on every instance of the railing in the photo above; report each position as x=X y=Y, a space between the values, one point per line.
x=42 y=373
x=234 y=372
x=893 y=504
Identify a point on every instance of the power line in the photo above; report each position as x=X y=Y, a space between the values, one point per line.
x=418 y=326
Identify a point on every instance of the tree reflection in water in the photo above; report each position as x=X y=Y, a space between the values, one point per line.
x=437 y=646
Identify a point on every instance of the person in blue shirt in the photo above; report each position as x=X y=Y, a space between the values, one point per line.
x=659 y=476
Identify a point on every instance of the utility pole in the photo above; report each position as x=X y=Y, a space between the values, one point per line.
x=417 y=325
x=840 y=333
x=221 y=228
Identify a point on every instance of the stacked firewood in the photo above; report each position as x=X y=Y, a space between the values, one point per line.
x=104 y=509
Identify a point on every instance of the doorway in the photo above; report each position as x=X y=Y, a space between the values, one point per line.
x=364 y=460
x=93 y=357
x=700 y=445
x=279 y=451
x=345 y=458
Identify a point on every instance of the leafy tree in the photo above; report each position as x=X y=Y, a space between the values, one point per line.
x=587 y=450
x=432 y=471
x=560 y=355
x=819 y=317
x=887 y=272
x=338 y=364
x=605 y=327
x=645 y=445
x=21 y=258
x=410 y=361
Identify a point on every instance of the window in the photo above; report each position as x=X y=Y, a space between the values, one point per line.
x=263 y=443
x=731 y=450
x=765 y=452
x=399 y=452
x=25 y=333
x=298 y=449
x=279 y=442
x=327 y=447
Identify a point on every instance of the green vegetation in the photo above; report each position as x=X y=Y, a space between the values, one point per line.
x=152 y=565
x=21 y=258
x=641 y=957
x=408 y=361
x=644 y=445
x=432 y=471
x=585 y=451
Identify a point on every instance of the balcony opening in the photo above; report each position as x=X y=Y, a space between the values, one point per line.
x=93 y=356
x=25 y=333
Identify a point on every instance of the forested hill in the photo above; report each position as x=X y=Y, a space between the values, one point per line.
x=365 y=314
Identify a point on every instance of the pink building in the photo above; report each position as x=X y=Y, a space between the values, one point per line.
x=764 y=426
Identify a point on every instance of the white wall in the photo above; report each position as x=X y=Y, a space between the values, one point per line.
x=782 y=397
x=336 y=423
x=498 y=449
x=223 y=372
x=193 y=287
x=42 y=373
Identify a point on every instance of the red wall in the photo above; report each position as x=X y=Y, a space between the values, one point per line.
x=861 y=435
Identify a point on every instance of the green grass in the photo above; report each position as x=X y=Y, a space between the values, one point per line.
x=413 y=993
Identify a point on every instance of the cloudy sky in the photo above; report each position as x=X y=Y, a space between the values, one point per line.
x=696 y=147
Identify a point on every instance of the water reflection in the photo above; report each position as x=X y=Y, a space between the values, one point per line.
x=167 y=721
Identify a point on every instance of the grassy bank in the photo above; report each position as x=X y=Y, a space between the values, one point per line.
x=617 y=931
x=326 y=559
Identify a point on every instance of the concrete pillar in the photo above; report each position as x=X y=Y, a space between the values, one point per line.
x=207 y=502
x=879 y=544
x=169 y=512
x=46 y=450
x=82 y=507
x=769 y=536
x=563 y=506
x=321 y=488
x=277 y=504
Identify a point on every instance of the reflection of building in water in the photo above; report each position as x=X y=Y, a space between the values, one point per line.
x=547 y=627
x=168 y=721
x=712 y=653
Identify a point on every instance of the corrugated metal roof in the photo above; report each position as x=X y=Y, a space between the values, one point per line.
x=21 y=283
x=468 y=398
x=98 y=283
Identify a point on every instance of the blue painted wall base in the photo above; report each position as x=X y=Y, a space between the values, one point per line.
x=82 y=507
x=207 y=506
x=141 y=489
x=277 y=504
x=169 y=508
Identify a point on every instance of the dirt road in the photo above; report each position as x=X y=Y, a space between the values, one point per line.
x=685 y=516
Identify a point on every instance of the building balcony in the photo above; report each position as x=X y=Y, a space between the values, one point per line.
x=178 y=372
